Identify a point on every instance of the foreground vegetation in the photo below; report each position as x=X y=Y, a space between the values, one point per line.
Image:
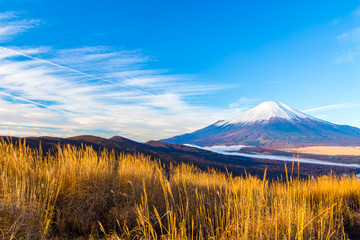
x=78 y=193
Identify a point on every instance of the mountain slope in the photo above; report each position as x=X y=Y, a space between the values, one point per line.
x=272 y=124
x=165 y=152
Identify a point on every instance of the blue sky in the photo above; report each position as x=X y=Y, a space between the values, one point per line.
x=153 y=69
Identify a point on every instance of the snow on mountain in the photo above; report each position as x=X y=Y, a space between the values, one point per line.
x=266 y=111
x=272 y=124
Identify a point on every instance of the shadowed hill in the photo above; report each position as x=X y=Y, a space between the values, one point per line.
x=169 y=153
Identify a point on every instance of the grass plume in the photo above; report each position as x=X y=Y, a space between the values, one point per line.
x=79 y=193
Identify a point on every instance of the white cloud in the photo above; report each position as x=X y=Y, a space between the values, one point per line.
x=7 y=15
x=94 y=90
x=352 y=36
x=331 y=107
x=349 y=43
x=243 y=103
x=356 y=13
x=10 y=25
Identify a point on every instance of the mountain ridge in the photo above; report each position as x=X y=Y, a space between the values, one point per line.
x=174 y=154
x=272 y=124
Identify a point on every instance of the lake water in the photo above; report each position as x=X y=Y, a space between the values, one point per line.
x=229 y=150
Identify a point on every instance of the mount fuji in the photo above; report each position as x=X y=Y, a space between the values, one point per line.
x=272 y=124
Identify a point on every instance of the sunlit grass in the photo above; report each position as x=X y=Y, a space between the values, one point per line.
x=78 y=193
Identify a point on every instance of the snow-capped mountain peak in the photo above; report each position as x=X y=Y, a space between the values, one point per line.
x=266 y=111
x=272 y=124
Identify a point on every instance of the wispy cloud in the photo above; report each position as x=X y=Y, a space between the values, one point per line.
x=243 y=102
x=11 y=25
x=350 y=46
x=241 y=105
x=332 y=107
x=94 y=90
x=356 y=13
x=349 y=43
x=7 y=15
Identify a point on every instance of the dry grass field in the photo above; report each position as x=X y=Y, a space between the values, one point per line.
x=327 y=150
x=80 y=194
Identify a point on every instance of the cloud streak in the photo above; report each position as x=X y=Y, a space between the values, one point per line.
x=94 y=90
x=349 y=43
x=10 y=25
x=332 y=107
